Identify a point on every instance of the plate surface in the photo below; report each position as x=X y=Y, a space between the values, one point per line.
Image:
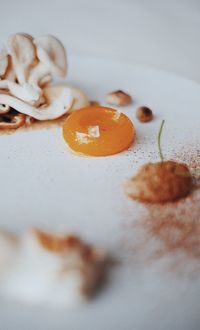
x=43 y=184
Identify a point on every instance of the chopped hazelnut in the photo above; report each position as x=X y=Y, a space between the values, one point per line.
x=144 y=114
x=160 y=182
x=118 y=98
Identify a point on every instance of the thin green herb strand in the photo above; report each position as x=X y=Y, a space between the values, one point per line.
x=159 y=140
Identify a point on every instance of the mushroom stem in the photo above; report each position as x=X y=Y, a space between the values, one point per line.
x=55 y=110
x=45 y=80
x=37 y=74
x=26 y=92
x=3 y=84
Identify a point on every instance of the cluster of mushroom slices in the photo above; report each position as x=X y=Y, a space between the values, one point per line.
x=27 y=67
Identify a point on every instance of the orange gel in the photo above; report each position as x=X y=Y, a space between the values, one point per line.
x=98 y=131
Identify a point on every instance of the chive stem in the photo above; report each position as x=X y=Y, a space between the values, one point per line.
x=159 y=140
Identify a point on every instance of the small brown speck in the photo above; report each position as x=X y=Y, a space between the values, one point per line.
x=93 y=103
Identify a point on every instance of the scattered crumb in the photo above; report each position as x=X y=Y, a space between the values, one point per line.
x=119 y=97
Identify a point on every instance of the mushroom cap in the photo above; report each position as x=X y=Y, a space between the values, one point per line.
x=21 y=48
x=51 y=52
x=10 y=73
x=80 y=99
x=26 y=35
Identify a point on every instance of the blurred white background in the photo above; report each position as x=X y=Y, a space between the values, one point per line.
x=163 y=34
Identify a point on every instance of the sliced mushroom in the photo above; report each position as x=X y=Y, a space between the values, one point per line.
x=22 y=56
x=12 y=121
x=26 y=35
x=45 y=80
x=4 y=65
x=61 y=99
x=10 y=73
x=3 y=62
x=26 y=92
x=25 y=70
x=23 y=53
x=80 y=99
x=52 y=59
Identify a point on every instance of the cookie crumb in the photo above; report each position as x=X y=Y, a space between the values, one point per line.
x=119 y=97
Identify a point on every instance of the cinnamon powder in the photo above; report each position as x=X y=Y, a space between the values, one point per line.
x=176 y=226
x=170 y=229
x=37 y=124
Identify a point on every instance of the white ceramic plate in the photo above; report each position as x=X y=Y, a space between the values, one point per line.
x=42 y=184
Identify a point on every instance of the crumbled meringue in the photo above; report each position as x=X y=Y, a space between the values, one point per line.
x=42 y=268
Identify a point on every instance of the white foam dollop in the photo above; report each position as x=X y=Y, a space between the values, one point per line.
x=34 y=273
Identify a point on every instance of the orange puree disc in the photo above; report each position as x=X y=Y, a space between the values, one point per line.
x=98 y=131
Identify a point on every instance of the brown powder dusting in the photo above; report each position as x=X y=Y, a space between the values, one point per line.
x=176 y=225
x=167 y=231
x=190 y=157
x=35 y=125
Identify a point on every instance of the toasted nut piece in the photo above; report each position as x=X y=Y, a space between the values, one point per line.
x=144 y=114
x=10 y=121
x=119 y=98
x=160 y=182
